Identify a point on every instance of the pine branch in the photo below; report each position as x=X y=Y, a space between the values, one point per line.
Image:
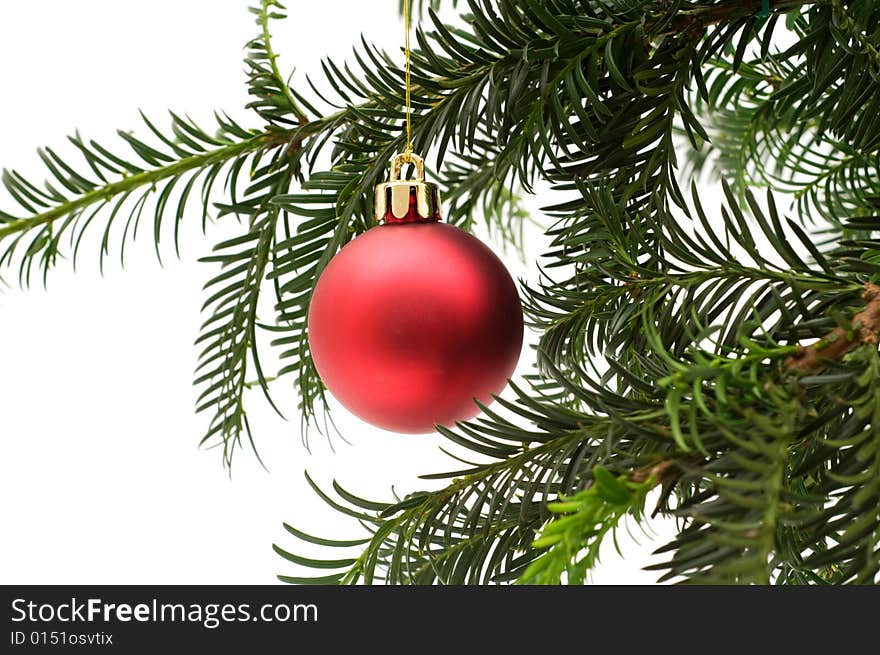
x=70 y=204
x=149 y=177
x=837 y=542
x=275 y=100
x=144 y=178
x=782 y=120
x=741 y=472
x=665 y=339
x=229 y=336
x=573 y=537
x=450 y=535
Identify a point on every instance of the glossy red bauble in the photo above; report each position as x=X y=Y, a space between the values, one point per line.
x=411 y=322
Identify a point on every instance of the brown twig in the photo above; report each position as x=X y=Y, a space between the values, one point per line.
x=864 y=328
x=658 y=471
x=664 y=473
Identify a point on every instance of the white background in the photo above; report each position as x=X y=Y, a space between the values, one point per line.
x=101 y=479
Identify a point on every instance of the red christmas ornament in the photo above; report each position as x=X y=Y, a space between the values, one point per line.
x=414 y=319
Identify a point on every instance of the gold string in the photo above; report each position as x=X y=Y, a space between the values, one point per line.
x=409 y=144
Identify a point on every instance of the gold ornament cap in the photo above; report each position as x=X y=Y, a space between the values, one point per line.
x=407 y=201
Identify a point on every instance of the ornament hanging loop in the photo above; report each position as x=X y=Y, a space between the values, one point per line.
x=407 y=200
x=407 y=157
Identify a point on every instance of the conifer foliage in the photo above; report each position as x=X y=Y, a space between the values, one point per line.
x=719 y=361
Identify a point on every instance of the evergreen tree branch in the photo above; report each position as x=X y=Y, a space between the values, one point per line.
x=275 y=100
x=229 y=336
x=102 y=194
x=788 y=122
x=573 y=537
x=742 y=471
x=480 y=526
x=70 y=203
x=665 y=339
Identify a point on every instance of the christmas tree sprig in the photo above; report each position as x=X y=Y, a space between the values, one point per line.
x=735 y=342
x=571 y=540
